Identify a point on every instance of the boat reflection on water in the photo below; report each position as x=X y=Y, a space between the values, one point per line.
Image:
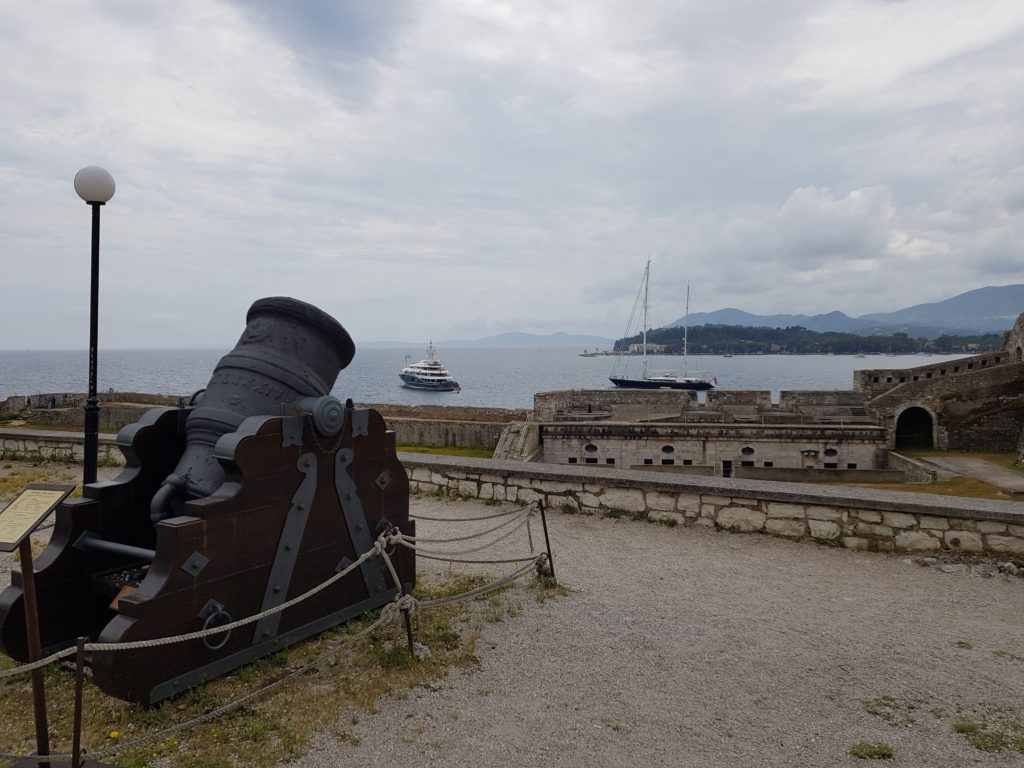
x=429 y=374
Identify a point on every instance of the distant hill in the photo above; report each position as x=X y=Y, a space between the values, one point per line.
x=505 y=340
x=983 y=310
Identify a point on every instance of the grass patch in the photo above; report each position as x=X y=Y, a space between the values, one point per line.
x=470 y=453
x=866 y=751
x=967 y=487
x=988 y=739
x=348 y=677
x=14 y=479
x=1007 y=459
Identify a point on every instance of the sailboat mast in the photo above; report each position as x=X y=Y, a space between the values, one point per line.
x=686 y=327
x=647 y=276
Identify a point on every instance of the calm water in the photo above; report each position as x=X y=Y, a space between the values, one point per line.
x=500 y=378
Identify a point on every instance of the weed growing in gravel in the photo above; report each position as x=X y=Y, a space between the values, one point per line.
x=615 y=514
x=963 y=644
x=894 y=711
x=866 y=751
x=1007 y=655
x=986 y=738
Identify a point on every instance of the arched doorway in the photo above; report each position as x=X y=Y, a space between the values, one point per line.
x=914 y=429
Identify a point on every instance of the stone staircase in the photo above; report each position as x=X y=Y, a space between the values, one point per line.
x=519 y=441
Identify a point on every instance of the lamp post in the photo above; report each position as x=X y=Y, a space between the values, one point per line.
x=96 y=187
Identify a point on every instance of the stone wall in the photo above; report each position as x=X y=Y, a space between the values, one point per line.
x=794 y=446
x=33 y=445
x=875 y=381
x=447 y=434
x=913 y=471
x=854 y=518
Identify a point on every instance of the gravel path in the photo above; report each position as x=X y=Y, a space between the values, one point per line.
x=688 y=647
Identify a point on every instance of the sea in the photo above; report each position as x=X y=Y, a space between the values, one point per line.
x=491 y=377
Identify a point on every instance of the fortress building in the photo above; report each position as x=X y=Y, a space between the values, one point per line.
x=973 y=403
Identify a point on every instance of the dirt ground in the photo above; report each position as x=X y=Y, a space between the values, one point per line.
x=689 y=647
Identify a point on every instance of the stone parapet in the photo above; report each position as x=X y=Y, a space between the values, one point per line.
x=849 y=517
x=37 y=445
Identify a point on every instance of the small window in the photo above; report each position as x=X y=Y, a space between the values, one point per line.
x=875 y=379
x=687 y=462
x=668 y=461
x=888 y=379
x=970 y=366
x=851 y=466
x=590 y=448
x=609 y=461
x=769 y=463
x=916 y=378
x=668 y=449
x=573 y=459
x=831 y=452
x=902 y=379
x=831 y=465
x=942 y=372
x=956 y=369
x=928 y=375
x=590 y=460
x=747 y=451
x=998 y=359
x=984 y=362
x=746 y=463
x=648 y=461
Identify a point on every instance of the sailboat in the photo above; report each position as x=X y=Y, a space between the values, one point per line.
x=659 y=381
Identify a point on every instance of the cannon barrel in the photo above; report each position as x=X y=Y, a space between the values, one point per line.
x=289 y=351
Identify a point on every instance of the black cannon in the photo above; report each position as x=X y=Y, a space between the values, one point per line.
x=261 y=489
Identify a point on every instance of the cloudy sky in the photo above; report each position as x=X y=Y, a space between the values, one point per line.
x=459 y=168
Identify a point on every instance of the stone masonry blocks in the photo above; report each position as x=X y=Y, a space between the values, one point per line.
x=629 y=499
x=741 y=519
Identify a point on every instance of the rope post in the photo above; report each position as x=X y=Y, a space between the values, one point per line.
x=547 y=540
x=76 y=738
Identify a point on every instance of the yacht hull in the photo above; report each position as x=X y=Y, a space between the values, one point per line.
x=662 y=384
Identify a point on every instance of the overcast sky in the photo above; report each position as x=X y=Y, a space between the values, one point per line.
x=454 y=169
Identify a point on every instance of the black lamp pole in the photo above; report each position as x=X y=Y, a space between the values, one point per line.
x=95 y=186
x=92 y=406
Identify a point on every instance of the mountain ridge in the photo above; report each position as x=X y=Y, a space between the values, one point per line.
x=982 y=310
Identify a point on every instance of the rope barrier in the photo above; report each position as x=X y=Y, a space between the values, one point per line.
x=22 y=669
x=410 y=543
x=439 y=601
x=389 y=613
x=506 y=513
x=526 y=513
x=531 y=558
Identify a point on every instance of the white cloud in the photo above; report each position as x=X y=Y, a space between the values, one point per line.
x=436 y=168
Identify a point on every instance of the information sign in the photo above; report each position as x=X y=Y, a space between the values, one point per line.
x=27 y=511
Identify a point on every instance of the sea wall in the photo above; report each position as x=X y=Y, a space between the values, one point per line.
x=855 y=518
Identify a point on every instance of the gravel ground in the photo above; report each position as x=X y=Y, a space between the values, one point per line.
x=689 y=647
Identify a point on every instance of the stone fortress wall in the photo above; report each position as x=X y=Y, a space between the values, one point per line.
x=974 y=403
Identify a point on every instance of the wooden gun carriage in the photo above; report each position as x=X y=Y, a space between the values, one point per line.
x=266 y=508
